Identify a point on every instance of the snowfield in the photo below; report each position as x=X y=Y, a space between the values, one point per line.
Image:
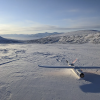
x=21 y=78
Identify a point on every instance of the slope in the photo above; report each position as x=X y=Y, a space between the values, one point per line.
x=4 y=40
x=79 y=37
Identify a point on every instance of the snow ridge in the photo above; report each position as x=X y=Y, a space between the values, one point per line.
x=78 y=37
x=84 y=38
x=4 y=40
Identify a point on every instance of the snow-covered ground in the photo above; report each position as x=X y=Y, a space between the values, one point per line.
x=21 y=78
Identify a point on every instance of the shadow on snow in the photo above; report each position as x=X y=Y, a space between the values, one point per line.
x=94 y=86
x=9 y=62
x=94 y=79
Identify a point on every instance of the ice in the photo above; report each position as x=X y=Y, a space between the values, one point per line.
x=21 y=77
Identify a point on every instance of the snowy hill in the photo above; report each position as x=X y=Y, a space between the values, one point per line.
x=4 y=40
x=78 y=37
x=84 y=36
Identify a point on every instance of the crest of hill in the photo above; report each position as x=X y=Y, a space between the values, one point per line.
x=4 y=40
x=77 y=33
x=79 y=37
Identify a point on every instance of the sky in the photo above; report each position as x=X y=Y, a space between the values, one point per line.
x=39 y=16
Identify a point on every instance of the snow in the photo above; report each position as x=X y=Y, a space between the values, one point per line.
x=21 y=78
x=75 y=37
x=7 y=41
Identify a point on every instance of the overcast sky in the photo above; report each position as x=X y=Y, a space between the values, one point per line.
x=37 y=16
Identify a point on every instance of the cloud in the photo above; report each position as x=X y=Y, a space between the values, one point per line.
x=83 y=23
x=33 y=27
x=45 y=28
x=11 y=29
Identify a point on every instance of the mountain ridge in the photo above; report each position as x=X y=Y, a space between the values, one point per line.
x=75 y=37
x=79 y=37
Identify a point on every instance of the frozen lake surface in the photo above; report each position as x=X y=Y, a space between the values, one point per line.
x=21 y=78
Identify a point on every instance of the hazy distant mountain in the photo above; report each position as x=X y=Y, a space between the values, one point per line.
x=28 y=36
x=84 y=36
x=41 y=35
